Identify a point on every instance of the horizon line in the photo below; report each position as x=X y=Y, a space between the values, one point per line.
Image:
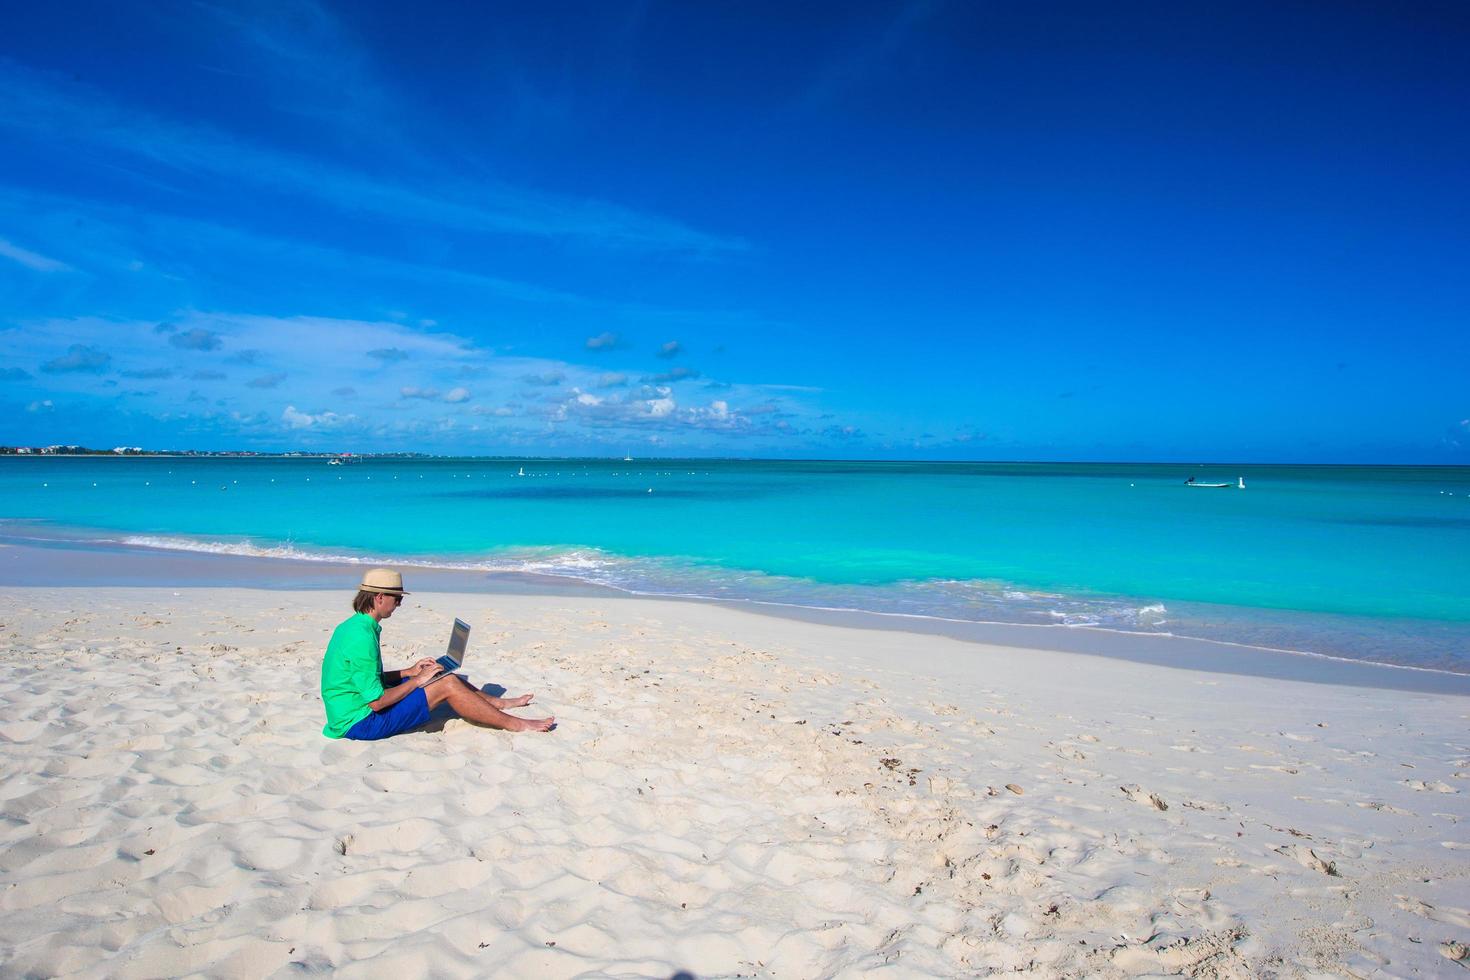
x=89 y=453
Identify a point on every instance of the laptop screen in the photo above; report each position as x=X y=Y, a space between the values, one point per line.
x=458 y=640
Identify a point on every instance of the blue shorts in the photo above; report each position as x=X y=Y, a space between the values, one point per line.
x=411 y=712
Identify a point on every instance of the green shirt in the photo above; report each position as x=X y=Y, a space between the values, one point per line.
x=352 y=673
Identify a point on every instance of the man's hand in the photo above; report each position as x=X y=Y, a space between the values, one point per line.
x=426 y=663
x=424 y=677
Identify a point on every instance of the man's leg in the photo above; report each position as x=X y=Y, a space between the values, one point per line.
x=471 y=705
x=493 y=701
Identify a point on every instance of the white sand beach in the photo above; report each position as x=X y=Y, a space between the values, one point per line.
x=726 y=794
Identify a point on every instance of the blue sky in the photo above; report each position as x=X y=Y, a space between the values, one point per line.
x=887 y=230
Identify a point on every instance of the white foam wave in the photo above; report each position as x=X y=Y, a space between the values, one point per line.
x=245 y=549
x=577 y=563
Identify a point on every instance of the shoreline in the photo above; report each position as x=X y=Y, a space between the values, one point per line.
x=60 y=562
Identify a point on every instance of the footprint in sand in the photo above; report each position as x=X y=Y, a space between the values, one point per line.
x=1137 y=795
x=22 y=731
x=1446 y=914
x=1421 y=786
x=1386 y=808
x=1308 y=859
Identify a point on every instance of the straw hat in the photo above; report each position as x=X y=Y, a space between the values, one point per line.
x=384 y=580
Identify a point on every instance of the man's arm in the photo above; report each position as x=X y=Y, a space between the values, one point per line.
x=393 y=695
x=392 y=677
x=397 y=684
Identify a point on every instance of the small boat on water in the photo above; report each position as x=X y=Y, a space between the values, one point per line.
x=1239 y=484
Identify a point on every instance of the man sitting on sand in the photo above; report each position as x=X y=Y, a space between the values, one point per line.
x=365 y=702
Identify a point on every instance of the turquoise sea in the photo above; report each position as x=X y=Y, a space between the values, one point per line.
x=1365 y=563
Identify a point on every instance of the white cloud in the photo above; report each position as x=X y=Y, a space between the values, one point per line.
x=31 y=260
x=57 y=111
x=196 y=339
x=323 y=420
x=402 y=402
x=680 y=373
x=80 y=358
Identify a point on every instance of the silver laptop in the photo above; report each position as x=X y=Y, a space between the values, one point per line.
x=454 y=656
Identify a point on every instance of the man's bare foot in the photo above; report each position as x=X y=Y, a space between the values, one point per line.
x=519 y=702
x=534 y=724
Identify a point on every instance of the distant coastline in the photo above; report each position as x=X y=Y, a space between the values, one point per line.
x=134 y=452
